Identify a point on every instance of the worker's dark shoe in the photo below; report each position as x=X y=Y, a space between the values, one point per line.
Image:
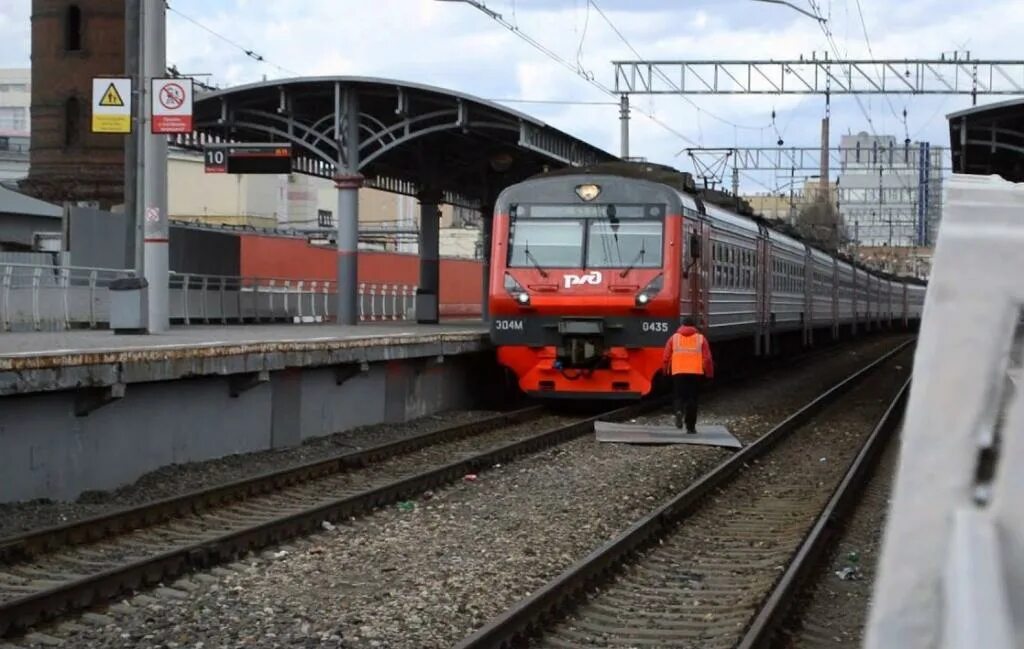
x=679 y=420
x=691 y=431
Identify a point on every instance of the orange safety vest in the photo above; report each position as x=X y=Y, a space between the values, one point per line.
x=687 y=354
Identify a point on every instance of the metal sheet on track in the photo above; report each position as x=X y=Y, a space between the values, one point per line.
x=706 y=435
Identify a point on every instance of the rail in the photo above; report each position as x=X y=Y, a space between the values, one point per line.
x=528 y=616
x=54 y=297
x=333 y=489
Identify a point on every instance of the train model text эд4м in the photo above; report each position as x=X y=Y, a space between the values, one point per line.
x=592 y=269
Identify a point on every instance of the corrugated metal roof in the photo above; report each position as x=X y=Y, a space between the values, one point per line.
x=12 y=202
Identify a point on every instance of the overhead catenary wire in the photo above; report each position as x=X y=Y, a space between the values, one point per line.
x=666 y=78
x=867 y=40
x=249 y=52
x=587 y=76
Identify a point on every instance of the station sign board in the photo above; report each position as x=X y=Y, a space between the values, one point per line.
x=171 y=105
x=256 y=158
x=111 y=105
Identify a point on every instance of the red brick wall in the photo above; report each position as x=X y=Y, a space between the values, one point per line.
x=263 y=256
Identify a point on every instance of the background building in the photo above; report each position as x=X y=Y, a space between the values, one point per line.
x=387 y=221
x=15 y=107
x=890 y=194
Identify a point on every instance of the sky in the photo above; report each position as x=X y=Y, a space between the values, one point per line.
x=453 y=45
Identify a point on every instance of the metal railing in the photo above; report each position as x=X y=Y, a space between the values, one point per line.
x=41 y=297
x=38 y=297
x=222 y=299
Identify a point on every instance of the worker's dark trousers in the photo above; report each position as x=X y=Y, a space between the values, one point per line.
x=686 y=390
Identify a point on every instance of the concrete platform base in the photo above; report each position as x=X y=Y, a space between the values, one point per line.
x=101 y=412
x=706 y=435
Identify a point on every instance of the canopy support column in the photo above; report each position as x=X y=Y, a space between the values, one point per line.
x=427 y=295
x=348 y=181
x=348 y=248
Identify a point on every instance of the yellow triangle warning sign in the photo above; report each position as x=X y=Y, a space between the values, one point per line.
x=111 y=97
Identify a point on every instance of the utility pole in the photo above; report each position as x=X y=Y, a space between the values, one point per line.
x=792 y=204
x=153 y=198
x=824 y=149
x=624 y=125
x=132 y=69
x=880 y=190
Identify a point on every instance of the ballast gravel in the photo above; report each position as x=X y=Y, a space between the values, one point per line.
x=426 y=575
x=176 y=479
x=832 y=609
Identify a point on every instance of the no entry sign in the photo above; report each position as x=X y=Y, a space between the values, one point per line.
x=172 y=105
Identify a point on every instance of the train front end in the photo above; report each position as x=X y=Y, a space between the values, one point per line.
x=585 y=284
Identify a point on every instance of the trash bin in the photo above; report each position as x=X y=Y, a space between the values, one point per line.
x=129 y=305
x=426 y=306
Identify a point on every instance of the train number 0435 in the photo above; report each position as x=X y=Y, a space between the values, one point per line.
x=655 y=326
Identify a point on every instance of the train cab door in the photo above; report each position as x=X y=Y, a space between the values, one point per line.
x=696 y=263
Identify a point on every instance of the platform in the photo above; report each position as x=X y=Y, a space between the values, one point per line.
x=85 y=410
x=45 y=361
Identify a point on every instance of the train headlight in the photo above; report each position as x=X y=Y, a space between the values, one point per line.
x=653 y=288
x=516 y=290
x=588 y=192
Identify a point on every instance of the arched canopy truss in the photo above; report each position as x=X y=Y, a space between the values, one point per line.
x=438 y=145
x=411 y=137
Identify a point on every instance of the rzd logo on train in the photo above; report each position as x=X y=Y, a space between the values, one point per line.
x=593 y=278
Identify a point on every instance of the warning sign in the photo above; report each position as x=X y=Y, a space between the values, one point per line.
x=172 y=105
x=111 y=105
x=111 y=97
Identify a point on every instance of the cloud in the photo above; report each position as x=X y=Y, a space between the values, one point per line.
x=452 y=45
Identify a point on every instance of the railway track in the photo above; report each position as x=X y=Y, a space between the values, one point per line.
x=718 y=564
x=828 y=611
x=50 y=572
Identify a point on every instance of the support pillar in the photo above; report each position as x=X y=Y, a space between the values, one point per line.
x=486 y=230
x=348 y=247
x=154 y=191
x=427 y=294
x=347 y=181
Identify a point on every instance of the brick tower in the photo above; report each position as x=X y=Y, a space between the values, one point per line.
x=72 y=42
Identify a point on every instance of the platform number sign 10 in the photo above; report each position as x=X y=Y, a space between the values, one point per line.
x=216 y=161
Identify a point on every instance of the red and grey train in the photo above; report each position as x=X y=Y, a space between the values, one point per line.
x=592 y=269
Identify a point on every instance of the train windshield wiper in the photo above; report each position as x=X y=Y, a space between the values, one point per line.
x=639 y=258
x=533 y=260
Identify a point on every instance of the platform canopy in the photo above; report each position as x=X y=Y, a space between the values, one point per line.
x=411 y=137
x=989 y=140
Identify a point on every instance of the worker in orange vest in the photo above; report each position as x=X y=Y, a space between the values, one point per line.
x=687 y=359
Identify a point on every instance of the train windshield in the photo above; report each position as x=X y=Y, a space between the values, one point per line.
x=631 y=244
x=586 y=236
x=551 y=243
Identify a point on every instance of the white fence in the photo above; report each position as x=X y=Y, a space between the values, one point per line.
x=46 y=297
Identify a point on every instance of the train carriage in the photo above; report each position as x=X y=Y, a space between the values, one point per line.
x=732 y=310
x=592 y=269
